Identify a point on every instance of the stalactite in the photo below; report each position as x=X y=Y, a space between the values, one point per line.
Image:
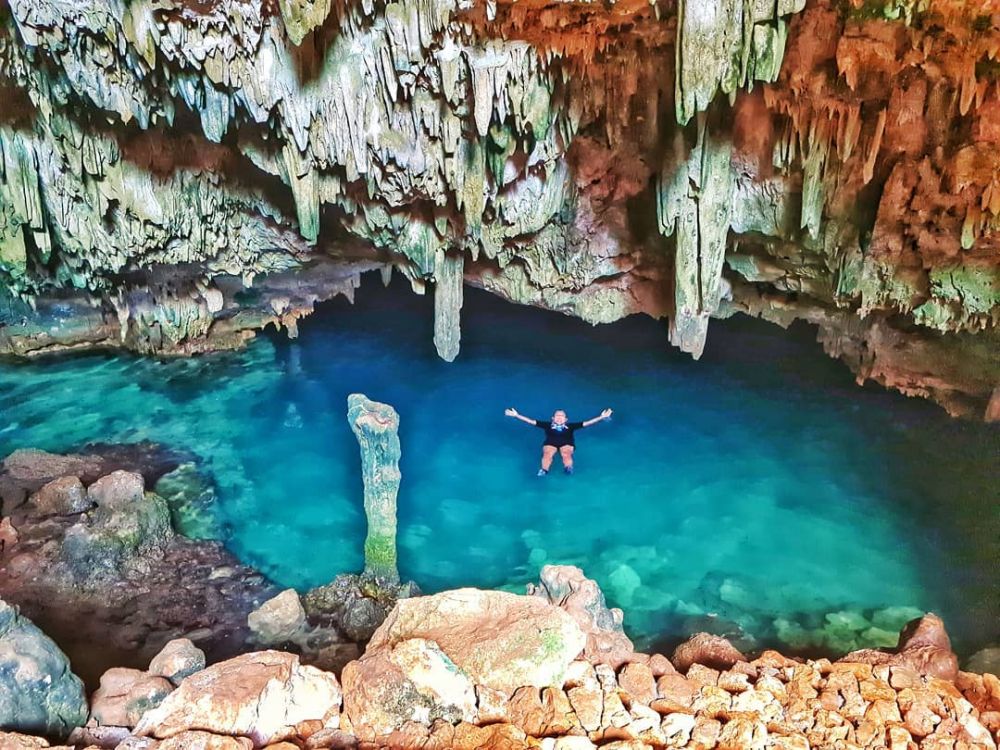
x=694 y=199
x=448 y=273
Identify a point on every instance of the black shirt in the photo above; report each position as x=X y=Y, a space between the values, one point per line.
x=558 y=435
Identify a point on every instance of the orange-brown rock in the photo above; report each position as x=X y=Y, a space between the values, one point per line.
x=261 y=695
x=708 y=650
x=500 y=640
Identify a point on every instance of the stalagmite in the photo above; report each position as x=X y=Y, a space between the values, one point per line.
x=376 y=426
x=448 y=271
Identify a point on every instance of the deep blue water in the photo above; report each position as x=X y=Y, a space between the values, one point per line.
x=757 y=488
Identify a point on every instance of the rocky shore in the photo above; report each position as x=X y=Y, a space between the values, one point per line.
x=494 y=670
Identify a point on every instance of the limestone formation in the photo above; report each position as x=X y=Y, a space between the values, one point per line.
x=38 y=692
x=63 y=496
x=165 y=169
x=124 y=695
x=178 y=659
x=568 y=588
x=263 y=696
x=278 y=620
x=127 y=526
x=375 y=425
x=501 y=641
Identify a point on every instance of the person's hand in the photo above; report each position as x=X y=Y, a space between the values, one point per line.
x=606 y=414
x=510 y=412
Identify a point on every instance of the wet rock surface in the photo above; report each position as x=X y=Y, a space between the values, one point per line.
x=38 y=692
x=142 y=585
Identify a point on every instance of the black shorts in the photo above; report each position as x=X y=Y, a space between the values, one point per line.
x=557 y=445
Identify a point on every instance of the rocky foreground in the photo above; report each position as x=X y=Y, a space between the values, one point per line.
x=488 y=669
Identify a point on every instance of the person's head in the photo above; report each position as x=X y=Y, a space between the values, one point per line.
x=559 y=416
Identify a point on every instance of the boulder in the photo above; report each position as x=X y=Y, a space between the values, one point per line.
x=15 y=741
x=204 y=741
x=924 y=646
x=27 y=470
x=38 y=692
x=117 y=489
x=353 y=605
x=64 y=496
x=500 y=640
x=125 y=695
x=567 y=587
x=410 y=681
x=178 y=659
x=278 y=620
x=708 y=650
x=127 y=525
x=261 y=695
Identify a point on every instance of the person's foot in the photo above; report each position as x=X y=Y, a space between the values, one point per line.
x=542 y=472
x=568 y=469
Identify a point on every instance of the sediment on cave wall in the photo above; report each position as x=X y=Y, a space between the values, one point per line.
x=836 y=162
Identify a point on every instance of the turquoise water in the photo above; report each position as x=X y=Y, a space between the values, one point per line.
x=758 y=490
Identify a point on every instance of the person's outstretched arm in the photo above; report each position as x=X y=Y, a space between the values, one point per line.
x=514 y=413
x=606 y=414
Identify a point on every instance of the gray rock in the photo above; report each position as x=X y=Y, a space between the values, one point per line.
x=376 y=427
x=278 y=620
x=117 y=489
x=127 y=525
x=125 y=695
x=64 y=496
x=38 y=692
x=178 y=659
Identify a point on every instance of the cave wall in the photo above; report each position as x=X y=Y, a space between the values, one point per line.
x=177 y=173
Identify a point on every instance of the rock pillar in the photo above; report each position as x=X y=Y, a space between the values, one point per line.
x=449 y=269
x=376 y=427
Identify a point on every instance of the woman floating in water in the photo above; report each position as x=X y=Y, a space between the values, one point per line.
x=558 y=436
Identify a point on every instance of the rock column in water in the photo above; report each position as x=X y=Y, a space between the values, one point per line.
x=376 y=427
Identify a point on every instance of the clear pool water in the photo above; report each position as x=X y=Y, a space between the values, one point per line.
x=757 y=490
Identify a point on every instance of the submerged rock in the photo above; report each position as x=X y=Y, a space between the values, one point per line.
x=190 y=495
x=38 y=692
x=261 y=695
x=501 y=641
x=356 y=606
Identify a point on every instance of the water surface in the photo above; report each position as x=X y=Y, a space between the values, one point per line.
x=757 y=490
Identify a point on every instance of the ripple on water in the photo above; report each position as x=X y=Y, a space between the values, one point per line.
x=757 y=489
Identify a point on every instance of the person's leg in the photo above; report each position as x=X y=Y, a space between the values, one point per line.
x=548 y=453
x=567 y=457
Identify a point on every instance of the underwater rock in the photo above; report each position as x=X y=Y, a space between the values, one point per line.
x=124 y=695
x=38 y=692
x=567 y=587
x=413 y=680
x=376 y=427
x=190 y=496
x=501 y=641
x=178 y=659
x=706 y=649
x=261 y=695
x=985 y=660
